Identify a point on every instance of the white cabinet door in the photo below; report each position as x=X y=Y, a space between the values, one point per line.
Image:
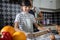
x=50 y=4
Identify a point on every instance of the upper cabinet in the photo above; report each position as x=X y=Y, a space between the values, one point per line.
x=49 y=4
x=58 y=4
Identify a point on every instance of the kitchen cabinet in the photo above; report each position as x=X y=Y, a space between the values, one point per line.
x=58 y=4
x=49 y=4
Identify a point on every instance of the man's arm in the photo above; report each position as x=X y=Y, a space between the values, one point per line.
x=42 y=28
x=38 y=27
x=16 y=25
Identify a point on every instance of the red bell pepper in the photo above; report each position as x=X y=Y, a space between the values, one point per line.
x=6 y=36
x=1 y=38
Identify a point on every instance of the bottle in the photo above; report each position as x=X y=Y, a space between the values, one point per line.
x=48 y=21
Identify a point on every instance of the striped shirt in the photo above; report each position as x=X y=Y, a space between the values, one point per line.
x=26 y=21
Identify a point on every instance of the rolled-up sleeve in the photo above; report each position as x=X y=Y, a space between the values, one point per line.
x=17 y=19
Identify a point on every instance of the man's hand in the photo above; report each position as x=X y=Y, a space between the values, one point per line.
x=49 y=30
x=52 y=37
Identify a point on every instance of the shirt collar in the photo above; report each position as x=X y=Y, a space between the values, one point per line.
x=24 y=13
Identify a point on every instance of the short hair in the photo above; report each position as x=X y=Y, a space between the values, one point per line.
x=25 y=3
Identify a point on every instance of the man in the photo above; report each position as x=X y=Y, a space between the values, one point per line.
x=24 y=20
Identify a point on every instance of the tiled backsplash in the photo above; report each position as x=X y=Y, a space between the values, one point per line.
x=54 y=17
x=8 y=11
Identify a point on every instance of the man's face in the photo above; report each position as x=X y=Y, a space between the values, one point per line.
x=58 y=28
x=25 y=8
